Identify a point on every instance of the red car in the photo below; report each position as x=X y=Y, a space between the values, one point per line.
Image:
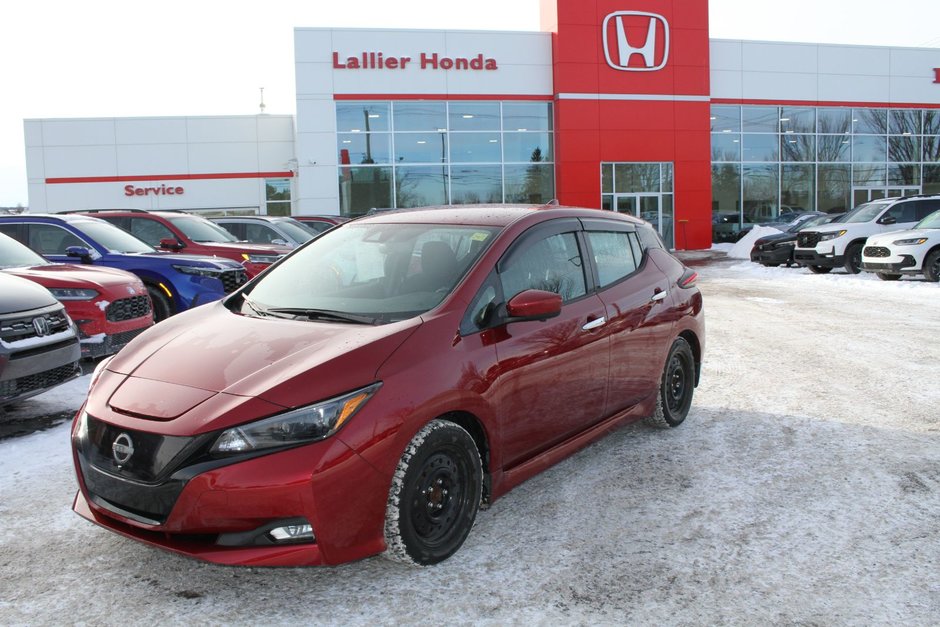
x=321 y=223
x=194 y=235
x=369 y=392
x=111 y=307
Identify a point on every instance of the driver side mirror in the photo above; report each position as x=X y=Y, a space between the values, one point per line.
x=280 y=242
x=533 y=305
x=79 y=252
x=888 y=220
x=170 y=243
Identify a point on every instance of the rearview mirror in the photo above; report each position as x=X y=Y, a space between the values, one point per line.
x=888 y=220
x=170 y=243
x=533 y=305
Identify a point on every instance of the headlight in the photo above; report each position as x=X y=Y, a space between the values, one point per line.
x=827 y=236
x=917 y=241
x=256 y=258
x=306 y=424
x=199 y=271
x=68 y=293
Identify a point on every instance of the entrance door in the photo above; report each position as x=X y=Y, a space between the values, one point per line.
x=625 y=203
x=861 y=195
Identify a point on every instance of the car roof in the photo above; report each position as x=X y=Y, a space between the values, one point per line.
x=52 y=217
x=489 y=215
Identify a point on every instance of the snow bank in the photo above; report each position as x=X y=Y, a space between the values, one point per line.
x=742 y=249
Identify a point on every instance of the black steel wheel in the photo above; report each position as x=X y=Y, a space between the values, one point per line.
x=676 y=387
x=162 y=309
x=932 y=266
x=435 y=495
x=853 y=258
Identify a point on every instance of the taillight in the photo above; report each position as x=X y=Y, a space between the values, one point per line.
x=687 y=279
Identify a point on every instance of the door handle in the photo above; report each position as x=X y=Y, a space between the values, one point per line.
x=594 y=324
x=658 y=295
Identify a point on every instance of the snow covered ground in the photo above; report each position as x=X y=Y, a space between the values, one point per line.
x=803 y=489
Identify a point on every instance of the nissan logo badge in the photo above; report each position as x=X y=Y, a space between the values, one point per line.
x=122 y=449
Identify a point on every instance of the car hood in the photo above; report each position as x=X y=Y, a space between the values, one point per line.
x=22 y=295
x=198 y=260
x=776 y=237
x=75 y=276
x=208 y=351
x=261 y=249
x=886 y=238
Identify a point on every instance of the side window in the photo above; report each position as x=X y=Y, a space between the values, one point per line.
x=481 y=309
x=12 y=230
x=150 y=231
x=925 y=208
x=613 y=255
x=49 y=239
x=901 y=212
x=648 y=237
x=237 y=230
x=552 y=264
x=260 y=233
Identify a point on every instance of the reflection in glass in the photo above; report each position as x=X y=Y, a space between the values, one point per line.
x=869 y=148
x=607 y=177
x=531 y=184
x=527 y=147
x=478 y=184
x=797 y=188
x=834 y=147
x=667 y=177
x=835 y=187
x=726 y=118
x=904 y=174
x=418 y=186
x=903 y=148
x=870 y=121
x=420 y=116
x=797 y=120
x=759 y=119
x=834 y=120
x=364 y=188
x=474 y=116
x=527 y=116
x=420 y=147
x=796 y=147
x=726 y=147
x=932 y=135
x=637 y=177
x=904 y=122
x=607 y=202
x=759 y=147
x=932 y=179
x=726 y=194
x=869 y=174
x=364 y=148
x=760 y=184
x=475 y=148
x=361 y=117
x=667 y=226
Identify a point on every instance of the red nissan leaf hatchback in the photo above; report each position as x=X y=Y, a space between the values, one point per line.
x=371 y=390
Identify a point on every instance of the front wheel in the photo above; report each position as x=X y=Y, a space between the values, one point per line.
x=885 y=276
x=675 y=388
x=435 y=495
x=853 y=259
x=769 y=265
x=819 y=269
x=932 y=266
x=162 y=309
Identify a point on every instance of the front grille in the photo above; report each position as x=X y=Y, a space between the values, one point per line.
x=25 y=327
x=40 y=381
x=807 y=239
x=118 y=340
x=233 y=279
x=876 y=251
x=128 y=308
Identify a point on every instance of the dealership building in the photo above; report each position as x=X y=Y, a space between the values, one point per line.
x=624 y=105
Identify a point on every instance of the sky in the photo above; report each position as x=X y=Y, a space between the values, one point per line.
x=104 y=58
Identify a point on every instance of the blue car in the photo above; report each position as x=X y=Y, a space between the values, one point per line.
x=175 y=282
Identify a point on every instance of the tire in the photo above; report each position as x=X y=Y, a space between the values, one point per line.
x=819 y=269
x=435 y=494
x=932 y=267
x=884 y=276
x=769 y=265
x=853 y=259
x=676 y=386
x=161 y=304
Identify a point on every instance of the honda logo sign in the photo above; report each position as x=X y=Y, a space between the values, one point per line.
x=649 y=56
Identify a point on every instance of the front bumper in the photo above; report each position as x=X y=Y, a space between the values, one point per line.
x=777 y=255
x=810 y=257
x=906 y=264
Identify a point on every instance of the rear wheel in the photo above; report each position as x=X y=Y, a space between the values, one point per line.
x=885 y=276
x=819 y=269
x=675 y=388
x=853 y=258
x=162 y=309
x=932 y=266
x=435 y=495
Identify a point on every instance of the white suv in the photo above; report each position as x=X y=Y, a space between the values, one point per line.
x=906 y=252
x=840 y=245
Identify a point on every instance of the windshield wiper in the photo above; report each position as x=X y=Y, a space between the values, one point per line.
x=255 y=307
x=323 y=314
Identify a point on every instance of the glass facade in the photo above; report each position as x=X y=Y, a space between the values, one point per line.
x=643 y=190
x=769 y=160
x=398 y=154
x=277 y=197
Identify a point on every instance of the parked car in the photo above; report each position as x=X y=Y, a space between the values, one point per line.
x=110 y=307
x=38 y=343
x=905 y=252
x=840 y=245
x=320 y=223
x=183 y=232
x=174 y=282
x=773 y=250
x=276 y=230
x=370 y=391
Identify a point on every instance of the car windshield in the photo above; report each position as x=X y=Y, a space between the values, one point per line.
x=371 y=273
x=297 y=231
x=201 y=230
x=111 y=237
x=930 y=222
x=803 y=224
x=16 y=255
x=865 y=213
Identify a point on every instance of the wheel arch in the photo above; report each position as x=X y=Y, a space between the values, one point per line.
x=474 y=426
x=696 y=346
